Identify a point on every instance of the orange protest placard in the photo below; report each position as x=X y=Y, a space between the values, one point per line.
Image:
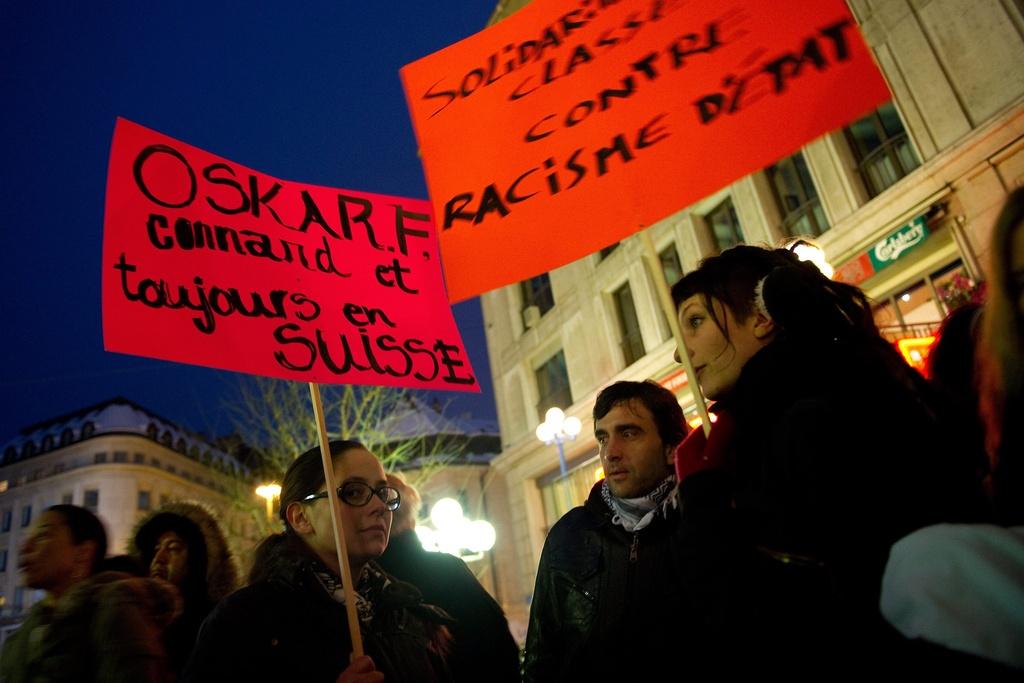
x=210 y=263
x=572 y=124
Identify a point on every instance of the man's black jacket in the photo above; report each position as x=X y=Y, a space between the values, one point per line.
x=611 y=603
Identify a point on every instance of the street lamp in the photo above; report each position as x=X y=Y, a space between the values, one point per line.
x=453 y=533
x=556 y=428
x=806 y=250
x=269 y=492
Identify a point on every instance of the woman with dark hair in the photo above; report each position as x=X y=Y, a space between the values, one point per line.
x=827 y=448
x=961 y=586
x=289 y=623
x=1002 y=362
x=952 y=364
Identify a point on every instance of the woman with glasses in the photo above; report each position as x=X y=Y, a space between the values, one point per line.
x=289 y=623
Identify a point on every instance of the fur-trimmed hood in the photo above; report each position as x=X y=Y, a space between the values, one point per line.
x=221 y=573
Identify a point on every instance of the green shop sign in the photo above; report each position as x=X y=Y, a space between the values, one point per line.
x=897 y=244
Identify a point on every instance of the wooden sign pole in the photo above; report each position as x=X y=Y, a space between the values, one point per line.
x=665 y=299
x=347 y=580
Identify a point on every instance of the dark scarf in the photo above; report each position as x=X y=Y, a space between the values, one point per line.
x=372 y=583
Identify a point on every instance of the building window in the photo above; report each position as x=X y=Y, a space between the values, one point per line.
x=26 y=516
x=155 y=462
x=144 y=500
x=92 y=500
x=553 y=384
x=100 y=458
x=918 y=308
x=88 y=429
x=164 y=499
x=6 y=524
x=797 y=197
x=607 y=251
x=3 y=560
x=138 y=458
x=725 y=226
x=882 y=148
x=172 y=469
x=670 y=264
x=631 y=342
x=120 y=456
x=67 y=499
x=537 y=292
x=66 y=437
x=559 y=494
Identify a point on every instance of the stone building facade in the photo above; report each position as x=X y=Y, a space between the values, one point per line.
x=902 y=201
x=120 y=461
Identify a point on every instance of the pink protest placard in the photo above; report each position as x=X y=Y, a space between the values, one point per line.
x=210 y=263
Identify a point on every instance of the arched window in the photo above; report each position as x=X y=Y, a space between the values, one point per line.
x=28 y=450
x=88 y=429
x=883 y=150
x=181 y=446
x=48 y=443
x=10 y=455
x=67 y=436
x=167 y=439
x=152 y=431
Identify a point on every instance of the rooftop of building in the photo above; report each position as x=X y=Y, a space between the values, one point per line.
x=114 y=416
x=472 y=441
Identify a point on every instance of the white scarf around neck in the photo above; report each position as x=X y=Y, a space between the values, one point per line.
x=633 y=514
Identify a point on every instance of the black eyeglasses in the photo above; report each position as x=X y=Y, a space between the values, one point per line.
x=357 y=494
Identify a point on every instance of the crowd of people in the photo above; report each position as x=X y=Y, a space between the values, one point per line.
x=843 y=514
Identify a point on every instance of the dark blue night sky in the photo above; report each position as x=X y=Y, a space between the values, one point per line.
x=304 y=91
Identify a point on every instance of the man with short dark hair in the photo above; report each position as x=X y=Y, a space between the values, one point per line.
x=608 y=579
x=89 y=627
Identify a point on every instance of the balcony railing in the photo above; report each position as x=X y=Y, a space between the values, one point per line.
x=894 y=333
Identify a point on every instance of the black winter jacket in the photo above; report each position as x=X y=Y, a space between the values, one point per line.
x=286 y=627
x=834 y=458
x=613 y=605
x=483 y=648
